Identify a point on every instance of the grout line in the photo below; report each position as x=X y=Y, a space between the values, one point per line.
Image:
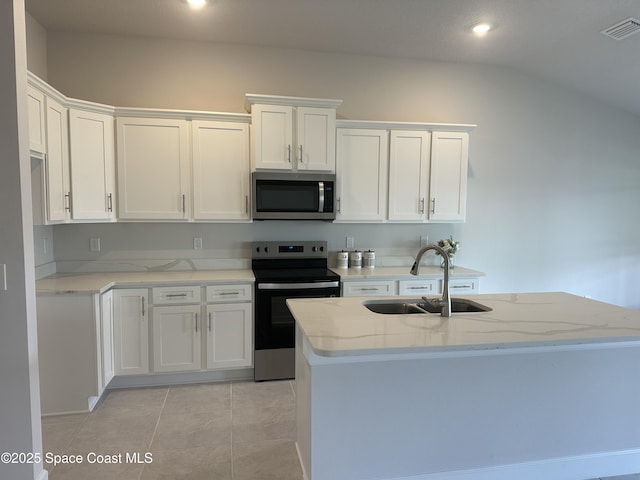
x=153 y=435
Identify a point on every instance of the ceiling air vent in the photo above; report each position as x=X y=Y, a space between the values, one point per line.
x=623 y=29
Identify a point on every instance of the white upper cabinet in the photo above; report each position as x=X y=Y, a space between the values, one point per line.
x=448 y=179
x=221 y=171
x=408 y=175
x=36 y=108
x=58 y=194
x=316 y=138
x=153 y=169
x=362 y=165
x=273 y=137
x=91 y=150
x=292 y=133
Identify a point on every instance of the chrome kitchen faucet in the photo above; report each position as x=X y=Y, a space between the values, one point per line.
x=445 y=301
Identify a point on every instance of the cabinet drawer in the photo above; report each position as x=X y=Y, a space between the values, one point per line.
x=463 y=285
x=418 y=287
x=175 y=295
x=368 y=289
x=229 y=293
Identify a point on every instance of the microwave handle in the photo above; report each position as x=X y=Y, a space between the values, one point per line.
x=320 y=197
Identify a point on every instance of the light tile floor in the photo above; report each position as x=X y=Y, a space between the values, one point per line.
x=238 y=431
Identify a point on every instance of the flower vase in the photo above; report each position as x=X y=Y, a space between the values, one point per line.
x=450 y=262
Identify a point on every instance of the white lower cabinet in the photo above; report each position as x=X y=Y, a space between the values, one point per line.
x=177 y=338
x=463 y=285
x=369 y=288
x=131 y=331
x=229 y=335
x=419 y=287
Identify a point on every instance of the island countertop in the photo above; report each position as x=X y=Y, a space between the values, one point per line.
x=338 y=327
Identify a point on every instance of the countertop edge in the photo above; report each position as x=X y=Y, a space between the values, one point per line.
x=101 y=282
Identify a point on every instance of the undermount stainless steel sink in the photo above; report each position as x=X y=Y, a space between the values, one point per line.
x=410 y=306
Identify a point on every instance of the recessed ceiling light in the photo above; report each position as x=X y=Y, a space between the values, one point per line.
x=481 y=28
x=197 y=3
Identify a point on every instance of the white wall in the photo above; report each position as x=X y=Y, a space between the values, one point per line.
x=554 y=179
x=20 y=393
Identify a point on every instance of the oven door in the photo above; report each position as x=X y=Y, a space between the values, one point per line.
x=274 y=323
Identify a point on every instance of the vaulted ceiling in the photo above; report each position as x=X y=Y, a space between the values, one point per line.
x=558 y=40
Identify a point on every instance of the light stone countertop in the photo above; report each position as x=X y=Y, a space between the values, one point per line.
x=66 y=283
x=338 y=327
x=401 y=273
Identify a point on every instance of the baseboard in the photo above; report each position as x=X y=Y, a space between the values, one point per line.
x=167 y=379
x=582 y=467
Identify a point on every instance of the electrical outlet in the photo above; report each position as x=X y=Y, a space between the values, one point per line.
x=197 y=243
x=351 y=242
x=424 y=240
x=94 y=244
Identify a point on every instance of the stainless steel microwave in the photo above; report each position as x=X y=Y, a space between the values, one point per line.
x=293 y=196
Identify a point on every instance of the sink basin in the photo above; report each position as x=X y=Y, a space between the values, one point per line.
x=406 y=306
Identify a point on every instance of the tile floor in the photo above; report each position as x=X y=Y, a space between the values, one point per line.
x=237 y=431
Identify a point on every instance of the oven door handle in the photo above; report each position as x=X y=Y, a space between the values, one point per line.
x=297 y=286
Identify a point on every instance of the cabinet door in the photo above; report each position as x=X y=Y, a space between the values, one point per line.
x=221 y=171
x=57 y=163
x=316 y=138
x=272 y=130
x=106 y=322
x=91 y=152
x=229 y=335
x=131 y=331
x=448 y=184
x=419 y=287
x=176 y=338
x=369 y=288
x=463 y=285
x=362 y=164
x=153 y=169
x=408 y=170
x=36 y=108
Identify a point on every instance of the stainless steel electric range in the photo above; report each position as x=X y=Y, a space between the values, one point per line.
x=285 y=270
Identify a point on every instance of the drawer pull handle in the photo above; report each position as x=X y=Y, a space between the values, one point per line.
x=230 y=293
x=175 y=295
x=424 y=287
x=460 y=286
x=364 y=289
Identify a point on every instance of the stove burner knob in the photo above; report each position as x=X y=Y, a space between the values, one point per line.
x=266 y=249
x=313 y=249
x=322 y=249
x=258 y=249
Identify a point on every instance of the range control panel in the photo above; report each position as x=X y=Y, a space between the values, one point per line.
x=289 y=249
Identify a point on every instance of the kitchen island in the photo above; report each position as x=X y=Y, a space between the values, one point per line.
x=545 y=385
